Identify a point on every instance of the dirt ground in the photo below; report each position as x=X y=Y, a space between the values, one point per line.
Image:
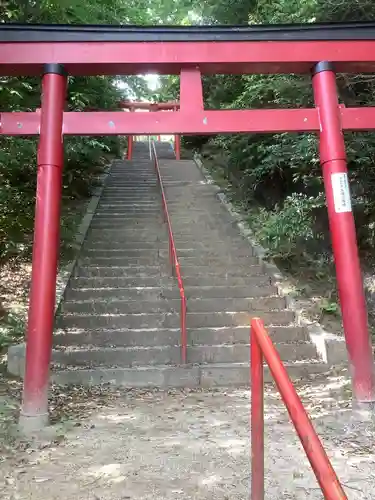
x=190 y=445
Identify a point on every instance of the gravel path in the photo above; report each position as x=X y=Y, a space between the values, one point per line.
x=145 y=445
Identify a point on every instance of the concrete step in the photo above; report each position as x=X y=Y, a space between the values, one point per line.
x=132 y=193
x=115 y=256
x=124 y=249
x=197 y=234
x=119 y=271
x=123 y=225
x=146 y=182
x=132 y=218
x=160 y=304
x=253 y=281
x=131 y=260
x=210 y=375
x=118 y=356
x=130 y=233
x=214 y=242
x=211 y=262
x=91 y=292
x=121 y=212
x=114 y=260
x=250 y=282
x=172 y=336
x=139 y=185
x=121 y=179
x=219 y=272
x=110 y=244
x=141 y=293
x=118 y=182
x=207 y=252
x=241 y=335
x=116 y=321
x=240 y=353
x=118 y=215
x=122 y=207
x=126 y=203
x=129 y=196
x=236 y=318
x=164 y=355
x=117 y=306
x=236 y=304
x=118 y=282
x=126 y=224
x=237 y=374
x=131 y=199
x=129 y=338
x=122 y=182
x=229 y=291
x=172 y=319
x=129 y=202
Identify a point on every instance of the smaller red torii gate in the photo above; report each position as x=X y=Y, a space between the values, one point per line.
x=152 y=107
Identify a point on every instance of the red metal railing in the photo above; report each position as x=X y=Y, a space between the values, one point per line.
x=261 y=346
x=175 y=265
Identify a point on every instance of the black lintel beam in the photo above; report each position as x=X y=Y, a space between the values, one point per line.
x=12 y=32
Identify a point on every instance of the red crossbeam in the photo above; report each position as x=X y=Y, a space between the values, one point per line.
x=199 y=122
x=120 y=58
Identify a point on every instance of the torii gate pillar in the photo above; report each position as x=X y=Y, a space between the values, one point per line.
x=343 y=234
x=34 y=412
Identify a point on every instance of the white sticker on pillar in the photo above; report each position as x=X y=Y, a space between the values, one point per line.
x=341 y=192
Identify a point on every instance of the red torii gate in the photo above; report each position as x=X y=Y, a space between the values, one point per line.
x=56 y=51
x=152 y=106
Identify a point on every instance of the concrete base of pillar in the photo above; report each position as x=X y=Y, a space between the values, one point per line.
x=32 y=424
x=364 y=411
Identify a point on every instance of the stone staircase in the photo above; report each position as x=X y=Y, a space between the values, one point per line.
x=119 y=322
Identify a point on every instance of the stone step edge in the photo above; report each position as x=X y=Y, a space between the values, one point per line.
x=72 y=330
x=214 y=375
x=94 y=348
x=161 y=288
x=97 y=300
x=208 y=374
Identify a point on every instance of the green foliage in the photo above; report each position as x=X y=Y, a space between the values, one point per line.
x=289 y=227
x=329 y=307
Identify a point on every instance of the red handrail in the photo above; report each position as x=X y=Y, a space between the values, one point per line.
x=173 y=259
x=261 y=346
